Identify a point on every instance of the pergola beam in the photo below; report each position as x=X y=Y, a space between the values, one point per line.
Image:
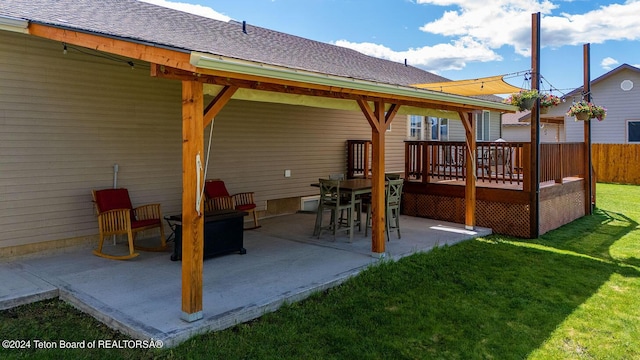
x=378 y=120
x=192 y=208
x=218 y=103
x=152 y=54
x=470 y=185
x=296 y=88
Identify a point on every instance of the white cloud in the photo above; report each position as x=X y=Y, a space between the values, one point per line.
x=479 y=28
x=608 y=63
x=451 y=56
x=190 y=8
x=508 y=22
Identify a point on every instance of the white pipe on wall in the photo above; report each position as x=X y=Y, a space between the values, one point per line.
x=115 y=176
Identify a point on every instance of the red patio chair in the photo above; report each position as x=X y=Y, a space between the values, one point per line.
x=117 y=216
x=218 y=198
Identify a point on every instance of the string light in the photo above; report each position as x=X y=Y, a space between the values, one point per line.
x=98 y=54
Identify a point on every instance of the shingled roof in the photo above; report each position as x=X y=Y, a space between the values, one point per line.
x=159 y=26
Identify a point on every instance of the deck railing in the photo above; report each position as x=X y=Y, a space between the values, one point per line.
x=358 y=158
x=561 y=160
x=496 y=162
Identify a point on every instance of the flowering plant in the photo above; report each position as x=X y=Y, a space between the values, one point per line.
x=548 y=100
x=591 y=110
x=598 y=112
x=523 y=100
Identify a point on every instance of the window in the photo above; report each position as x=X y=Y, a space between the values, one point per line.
x=633 y=131
x=482 y=126
x=439 y=129
x=416 y=128
x=444 y=129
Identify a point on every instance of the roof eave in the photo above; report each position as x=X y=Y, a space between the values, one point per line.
x=221 y=63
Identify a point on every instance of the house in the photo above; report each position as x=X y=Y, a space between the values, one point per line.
x=517 y=127
x=614 y=90
x=618 y=91
x=88 y=85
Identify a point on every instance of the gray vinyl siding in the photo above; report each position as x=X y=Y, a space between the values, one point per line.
x=254 y=143
x=457 y=133
x=65 y=120
x=549 y=133
x=621 y=106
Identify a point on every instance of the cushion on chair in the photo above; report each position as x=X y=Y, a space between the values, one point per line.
x=245 y=207
x=111 y=199
x=215 y=188
x=142 y=223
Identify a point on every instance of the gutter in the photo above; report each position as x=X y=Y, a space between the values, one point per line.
x=221 y=63
x=14 y=24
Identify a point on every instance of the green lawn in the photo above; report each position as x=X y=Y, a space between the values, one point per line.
x=573 y=293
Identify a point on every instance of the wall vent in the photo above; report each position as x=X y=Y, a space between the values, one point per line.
x=309 y=203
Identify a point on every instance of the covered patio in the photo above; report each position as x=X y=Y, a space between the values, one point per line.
x=284 y=263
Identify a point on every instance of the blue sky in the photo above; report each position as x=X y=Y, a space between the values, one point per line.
x=458 y=39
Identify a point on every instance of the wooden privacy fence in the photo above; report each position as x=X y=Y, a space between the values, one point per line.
x=616 y=163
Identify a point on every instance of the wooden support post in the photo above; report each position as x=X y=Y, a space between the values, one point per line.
x=379 y=121
x=470 y=185
x=588 y=201
x=378 y=215
x=192 y=219
x=534 y=200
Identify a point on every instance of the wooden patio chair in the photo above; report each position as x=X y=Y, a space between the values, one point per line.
x=393 y=197
x=218 y=198
x=332 y=200
x=116 y=216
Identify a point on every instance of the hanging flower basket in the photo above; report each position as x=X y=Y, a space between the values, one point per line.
x=547 y=101
x=584 y=110
x=582 y=116
x=524 y=100
x=526 y=104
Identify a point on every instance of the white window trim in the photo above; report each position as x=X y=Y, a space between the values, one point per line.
x=479 y=119
x=422 y=135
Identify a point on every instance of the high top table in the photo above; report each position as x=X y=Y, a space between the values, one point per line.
x=353 y=187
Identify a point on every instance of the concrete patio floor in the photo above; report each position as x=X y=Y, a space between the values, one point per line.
x=142 y=297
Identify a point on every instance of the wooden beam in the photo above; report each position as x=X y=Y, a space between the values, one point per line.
x=266 y=83
x=192 y=181
x=391 y=114
x=218 y=103
x=245 y=81
x=371 y=117
x=378 y=214
x=152 y=54
x=376 y=119
x=470 y=185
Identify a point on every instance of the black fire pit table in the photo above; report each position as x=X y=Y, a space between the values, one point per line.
x=223 y=233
